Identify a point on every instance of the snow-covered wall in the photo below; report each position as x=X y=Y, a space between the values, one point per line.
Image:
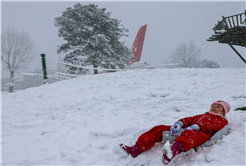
x=26 y=81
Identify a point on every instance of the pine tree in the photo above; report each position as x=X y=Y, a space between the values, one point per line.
x=92 y=38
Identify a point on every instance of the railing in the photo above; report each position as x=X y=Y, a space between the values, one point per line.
x=231 y=22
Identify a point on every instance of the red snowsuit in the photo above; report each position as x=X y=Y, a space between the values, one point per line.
x=209 y=124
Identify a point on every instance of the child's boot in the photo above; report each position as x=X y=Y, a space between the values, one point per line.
x=176 y=149
x=134 y=151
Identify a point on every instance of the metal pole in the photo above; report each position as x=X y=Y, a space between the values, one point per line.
x=44 y=69
x=237 y=53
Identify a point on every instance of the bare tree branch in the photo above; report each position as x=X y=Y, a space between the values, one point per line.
x=17 y=50
x=186 y=54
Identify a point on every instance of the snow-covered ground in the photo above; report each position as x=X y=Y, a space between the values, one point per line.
x=82 y=121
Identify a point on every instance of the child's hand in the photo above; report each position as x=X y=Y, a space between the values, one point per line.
x=193 y=127
x=176 y=128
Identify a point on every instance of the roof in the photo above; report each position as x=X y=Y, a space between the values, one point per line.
x=231 y=30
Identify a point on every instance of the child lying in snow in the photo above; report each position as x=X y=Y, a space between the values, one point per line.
x=189 y=132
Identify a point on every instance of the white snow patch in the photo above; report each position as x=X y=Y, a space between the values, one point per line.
x=167 y=147
x=82 y=121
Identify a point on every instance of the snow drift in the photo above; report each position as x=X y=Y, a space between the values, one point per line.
x=82 y=121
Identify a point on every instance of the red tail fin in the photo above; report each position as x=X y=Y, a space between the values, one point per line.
x=138 y=45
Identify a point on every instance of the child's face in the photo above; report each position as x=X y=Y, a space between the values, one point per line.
x=217 y=108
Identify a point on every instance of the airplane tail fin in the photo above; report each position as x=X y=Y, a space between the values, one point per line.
x=138 y=45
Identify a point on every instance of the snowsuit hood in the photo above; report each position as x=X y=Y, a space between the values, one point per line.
x=217 y=114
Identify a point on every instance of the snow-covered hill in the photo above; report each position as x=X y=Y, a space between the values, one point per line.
x=82 y=121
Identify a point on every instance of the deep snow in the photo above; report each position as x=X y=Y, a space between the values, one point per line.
x=83 y=120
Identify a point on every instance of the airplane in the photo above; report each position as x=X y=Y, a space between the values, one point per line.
x=135 y=62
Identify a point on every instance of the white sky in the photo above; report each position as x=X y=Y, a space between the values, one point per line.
x=169 y=24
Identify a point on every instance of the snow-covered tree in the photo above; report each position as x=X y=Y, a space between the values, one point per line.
x=92 y=38
x=208 y=64
x=188 y=55
x=17 y=51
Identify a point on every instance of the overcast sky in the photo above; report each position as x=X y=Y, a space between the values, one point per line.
x=169 y=24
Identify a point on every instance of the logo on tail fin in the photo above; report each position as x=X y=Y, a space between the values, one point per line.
x=138 y=45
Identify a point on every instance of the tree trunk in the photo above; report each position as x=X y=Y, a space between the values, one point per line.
x=95 y=70
x=12 y=77
x=11 y=89
x=11 y=86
